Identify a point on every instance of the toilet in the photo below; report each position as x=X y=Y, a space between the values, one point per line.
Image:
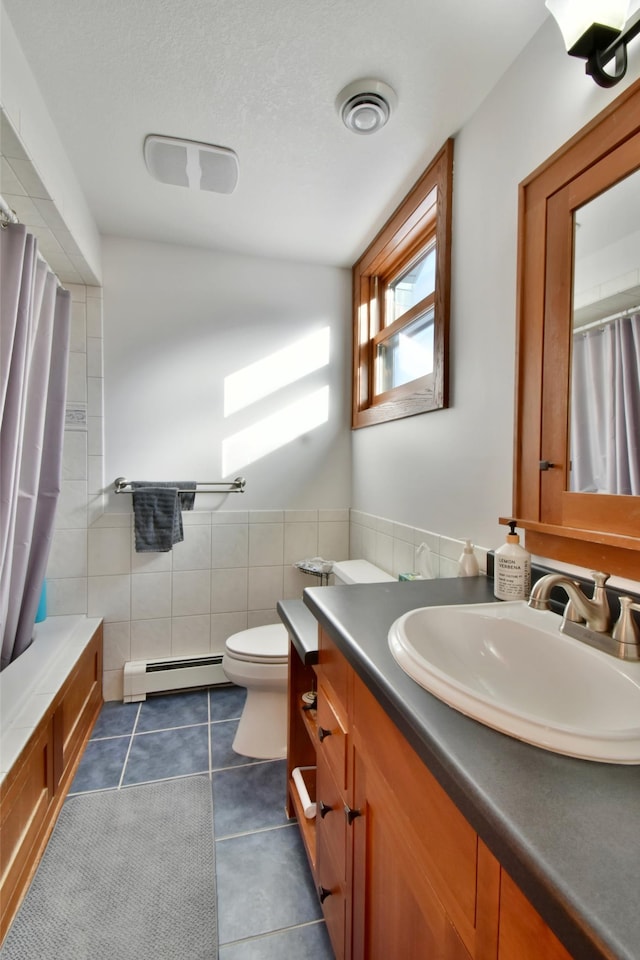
x=258 y=660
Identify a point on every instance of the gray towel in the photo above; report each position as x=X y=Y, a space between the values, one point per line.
x=157 y=513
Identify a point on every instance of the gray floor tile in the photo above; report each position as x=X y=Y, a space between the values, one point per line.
x=170 y=753
x=223 y=754
x=101 y=765
x=173 y=710
x=264 y=884
x=311 y=941
x=249 y=798
x=115 y=719
x=226 y=703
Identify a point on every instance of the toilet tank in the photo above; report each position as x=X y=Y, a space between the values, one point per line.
x=359 y=571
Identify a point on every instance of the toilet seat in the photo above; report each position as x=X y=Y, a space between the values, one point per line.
x=267 y=644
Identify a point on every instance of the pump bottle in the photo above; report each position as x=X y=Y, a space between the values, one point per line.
x=468 y=563
x=512 y=569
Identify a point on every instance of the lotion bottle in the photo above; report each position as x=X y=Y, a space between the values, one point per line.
x=512 y=570
x=468 y=563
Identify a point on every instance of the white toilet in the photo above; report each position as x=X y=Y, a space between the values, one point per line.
x=258 y=660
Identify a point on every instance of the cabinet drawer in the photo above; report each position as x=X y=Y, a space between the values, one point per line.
x=331 y=820
x=332 y=738
x=333 y=670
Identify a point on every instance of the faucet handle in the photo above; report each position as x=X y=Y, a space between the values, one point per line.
x=626 y=630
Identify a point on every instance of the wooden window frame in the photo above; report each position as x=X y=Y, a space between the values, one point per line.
x=423 y=215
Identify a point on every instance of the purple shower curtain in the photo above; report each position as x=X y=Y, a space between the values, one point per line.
x=34 y=348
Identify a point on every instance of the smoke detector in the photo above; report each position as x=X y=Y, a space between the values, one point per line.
x=187 y=163
x=365 y=105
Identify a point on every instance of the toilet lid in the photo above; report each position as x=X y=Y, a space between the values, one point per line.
x=260 y=644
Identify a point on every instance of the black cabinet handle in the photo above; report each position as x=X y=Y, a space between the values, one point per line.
x=323 y=893
x=323 y=732
x=324 y=809
x=351 y=814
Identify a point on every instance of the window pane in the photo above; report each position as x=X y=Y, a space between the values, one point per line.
x=406 y=355
x=414 y=285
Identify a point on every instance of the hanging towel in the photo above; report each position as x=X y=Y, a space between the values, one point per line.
x=157 y=519
x=157 y=513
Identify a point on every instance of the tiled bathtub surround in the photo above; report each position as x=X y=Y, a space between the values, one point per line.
x=392 y=546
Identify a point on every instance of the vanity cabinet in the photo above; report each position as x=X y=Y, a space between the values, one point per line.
x=399 y=870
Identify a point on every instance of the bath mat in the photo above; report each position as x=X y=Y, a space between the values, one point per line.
x=126 y=874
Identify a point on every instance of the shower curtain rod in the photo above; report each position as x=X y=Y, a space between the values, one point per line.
x=594 y=324
x=7 y=216
x=235 y=486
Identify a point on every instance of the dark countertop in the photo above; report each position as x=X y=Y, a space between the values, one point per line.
x=302 y=627
x=566 y=830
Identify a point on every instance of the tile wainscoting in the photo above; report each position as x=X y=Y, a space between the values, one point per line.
x=392 y=546
x=227 y=574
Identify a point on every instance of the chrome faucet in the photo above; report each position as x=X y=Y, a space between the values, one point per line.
x=595 y=612
x=589 y=620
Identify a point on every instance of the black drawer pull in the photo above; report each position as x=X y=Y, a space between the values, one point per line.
x=323 y=893
x=351 y=814
x=324 y=809
x=323 y=732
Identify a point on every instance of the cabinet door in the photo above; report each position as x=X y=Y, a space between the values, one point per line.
x=437 y=836
x=523 y=933
x=396 y=912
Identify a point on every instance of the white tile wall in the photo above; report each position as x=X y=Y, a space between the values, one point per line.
x=392 y=546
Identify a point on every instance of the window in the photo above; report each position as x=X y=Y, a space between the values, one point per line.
x=401 y=305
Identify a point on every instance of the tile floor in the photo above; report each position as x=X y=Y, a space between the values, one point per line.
x=267 y=906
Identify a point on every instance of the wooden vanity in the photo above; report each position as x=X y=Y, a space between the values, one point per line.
x=401 y=868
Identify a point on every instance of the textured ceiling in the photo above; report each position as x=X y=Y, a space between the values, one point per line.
x=261 y=77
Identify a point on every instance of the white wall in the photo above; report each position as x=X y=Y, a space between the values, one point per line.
x=23 y=103
x=456 y=475
x=178 y=321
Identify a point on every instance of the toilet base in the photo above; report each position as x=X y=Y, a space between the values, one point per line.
x=262 y=731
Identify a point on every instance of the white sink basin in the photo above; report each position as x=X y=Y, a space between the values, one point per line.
x=509 y=667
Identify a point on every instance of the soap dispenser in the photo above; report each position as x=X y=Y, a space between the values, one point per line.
x=512 y=572
x=468 y=563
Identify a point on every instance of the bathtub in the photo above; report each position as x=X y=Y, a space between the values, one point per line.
x=49 y=700
x=28 y=685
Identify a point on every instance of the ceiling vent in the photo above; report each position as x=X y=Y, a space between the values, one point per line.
x=365 y=105
x=187 y=163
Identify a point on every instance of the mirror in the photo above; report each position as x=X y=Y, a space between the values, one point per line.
x=605 y=366
x=594 y=181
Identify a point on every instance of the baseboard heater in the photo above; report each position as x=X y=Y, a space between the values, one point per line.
x=171 y=673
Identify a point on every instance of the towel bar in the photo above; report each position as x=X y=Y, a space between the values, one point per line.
x=233 y=486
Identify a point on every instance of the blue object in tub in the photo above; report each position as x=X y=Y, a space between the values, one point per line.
x=42 y=605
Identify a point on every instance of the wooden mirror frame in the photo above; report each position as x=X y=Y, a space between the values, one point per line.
x=593 y=530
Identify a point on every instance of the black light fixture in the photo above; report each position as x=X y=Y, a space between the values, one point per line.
x=597 y=31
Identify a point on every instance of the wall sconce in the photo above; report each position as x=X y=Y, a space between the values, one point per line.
x=593 y=30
